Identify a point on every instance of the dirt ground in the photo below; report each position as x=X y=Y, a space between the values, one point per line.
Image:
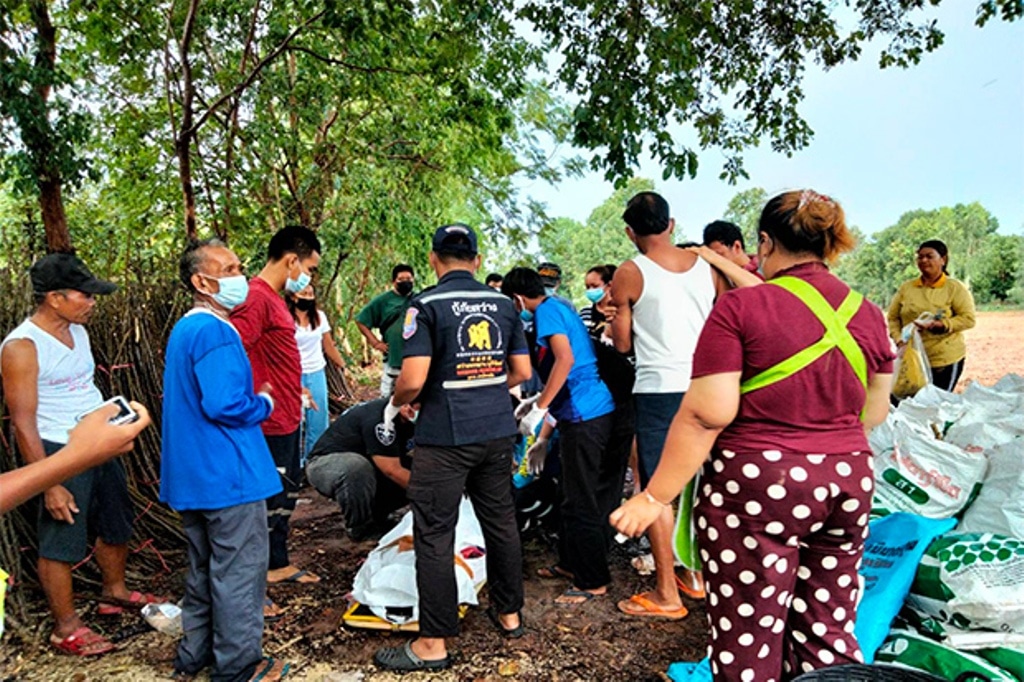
x=995 y=347
x=589 y=642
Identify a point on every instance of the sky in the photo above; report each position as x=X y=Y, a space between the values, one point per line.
x=949 y=130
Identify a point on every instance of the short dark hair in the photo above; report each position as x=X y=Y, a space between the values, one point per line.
x=296 y=239
x=647 y=213
x=606 y=272
x=493 y=277
x=192 y=258
x=522 y=282
x=399 y=269
x=723 y=232
x=940 y=248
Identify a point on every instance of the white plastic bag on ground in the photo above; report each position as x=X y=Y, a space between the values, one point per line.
x=925 y=476
x=999 y=507
x=386 y=582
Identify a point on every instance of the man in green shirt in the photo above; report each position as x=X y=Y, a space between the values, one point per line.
x=385 y=314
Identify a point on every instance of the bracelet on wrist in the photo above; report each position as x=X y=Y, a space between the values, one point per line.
x=651 y=498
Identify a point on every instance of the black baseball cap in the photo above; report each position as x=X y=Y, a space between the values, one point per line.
x=65 y=271
x=457 y=238
x=550 y=274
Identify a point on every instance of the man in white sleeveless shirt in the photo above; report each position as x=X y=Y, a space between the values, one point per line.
x=662 y=298
x=47 y=368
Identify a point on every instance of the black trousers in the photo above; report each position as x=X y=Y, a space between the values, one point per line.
x=947 y=377
x=594 y=458
x=285 y=451
x=439 y=477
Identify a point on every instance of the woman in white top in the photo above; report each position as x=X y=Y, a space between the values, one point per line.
x=316 y=346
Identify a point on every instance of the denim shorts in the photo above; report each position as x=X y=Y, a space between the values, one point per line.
x=654 y=414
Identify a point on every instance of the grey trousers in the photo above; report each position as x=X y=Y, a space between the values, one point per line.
x=365 y=495
x=222 y=613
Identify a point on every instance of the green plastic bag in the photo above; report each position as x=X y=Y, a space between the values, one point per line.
x=684 y=538
x=906 y=648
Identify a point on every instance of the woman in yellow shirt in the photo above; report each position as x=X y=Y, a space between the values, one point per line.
x=948 y=301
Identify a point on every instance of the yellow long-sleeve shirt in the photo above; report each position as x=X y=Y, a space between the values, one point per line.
x=948 y=297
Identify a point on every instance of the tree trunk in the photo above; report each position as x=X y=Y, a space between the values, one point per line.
x=48 y=176
x=58 y=239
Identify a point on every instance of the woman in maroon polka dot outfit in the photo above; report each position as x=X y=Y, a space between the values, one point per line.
x=788 y=377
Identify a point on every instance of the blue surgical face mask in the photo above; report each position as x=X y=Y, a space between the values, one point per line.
x=549 y=291
x=233 y=290
x=294 y=286
x=594 y=295
x=525 y=315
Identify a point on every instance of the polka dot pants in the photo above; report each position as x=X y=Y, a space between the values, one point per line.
x=781 y=536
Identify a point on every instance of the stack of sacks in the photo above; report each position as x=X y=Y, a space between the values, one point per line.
x=941 y=455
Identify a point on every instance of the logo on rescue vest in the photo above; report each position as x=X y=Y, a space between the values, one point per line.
x=385 y=436
x=409 y=325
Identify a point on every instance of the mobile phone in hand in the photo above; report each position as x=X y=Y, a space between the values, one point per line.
x=125 y=414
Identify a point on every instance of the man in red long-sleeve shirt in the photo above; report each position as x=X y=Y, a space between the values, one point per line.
x=268 y=334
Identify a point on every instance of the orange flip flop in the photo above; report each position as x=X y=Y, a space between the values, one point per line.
x=690 y=592
x=648 y=609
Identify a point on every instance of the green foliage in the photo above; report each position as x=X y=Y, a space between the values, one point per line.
x=985 y=261
x=578 y=247
x=730 y=71
x=744 y=210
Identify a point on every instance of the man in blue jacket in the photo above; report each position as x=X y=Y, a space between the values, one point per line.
x=217 y=472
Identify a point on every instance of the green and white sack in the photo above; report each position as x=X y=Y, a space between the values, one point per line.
x=973 y=581
x=910 y=650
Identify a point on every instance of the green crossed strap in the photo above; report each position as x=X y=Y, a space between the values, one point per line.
x=836 y=336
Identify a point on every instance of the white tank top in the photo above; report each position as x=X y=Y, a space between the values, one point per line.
x=66 y=387
x=667 y=319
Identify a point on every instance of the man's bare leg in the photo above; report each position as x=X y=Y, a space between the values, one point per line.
x=112 y=560
x=55 y=578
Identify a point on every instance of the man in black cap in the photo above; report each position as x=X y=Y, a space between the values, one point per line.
x=47 y=368
x=464 y=348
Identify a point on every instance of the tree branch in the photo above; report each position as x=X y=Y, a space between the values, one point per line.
x=247 y=81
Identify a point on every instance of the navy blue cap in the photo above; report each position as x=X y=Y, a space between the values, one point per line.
x=457 y=238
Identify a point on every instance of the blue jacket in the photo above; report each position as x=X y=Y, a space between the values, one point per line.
x=214 y=454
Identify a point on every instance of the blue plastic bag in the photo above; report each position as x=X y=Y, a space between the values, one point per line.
x=690 y=672
x=892 y=553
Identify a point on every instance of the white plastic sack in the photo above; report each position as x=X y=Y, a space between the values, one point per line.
x=925 y=476
x=999 y=507
x=387 y=580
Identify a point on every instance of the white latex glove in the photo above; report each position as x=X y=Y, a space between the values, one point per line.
x=528 y=424
x=536 y=455
x=390 y=412
x=524 y=406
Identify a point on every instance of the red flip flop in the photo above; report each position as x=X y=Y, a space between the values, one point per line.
x=134 y=598
x=82 y=642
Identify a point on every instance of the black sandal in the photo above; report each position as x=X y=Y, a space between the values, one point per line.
x=403 y=659
x=514 y=633
x=554 y=572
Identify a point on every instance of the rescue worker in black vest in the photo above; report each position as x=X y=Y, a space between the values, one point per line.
x=464 y=349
